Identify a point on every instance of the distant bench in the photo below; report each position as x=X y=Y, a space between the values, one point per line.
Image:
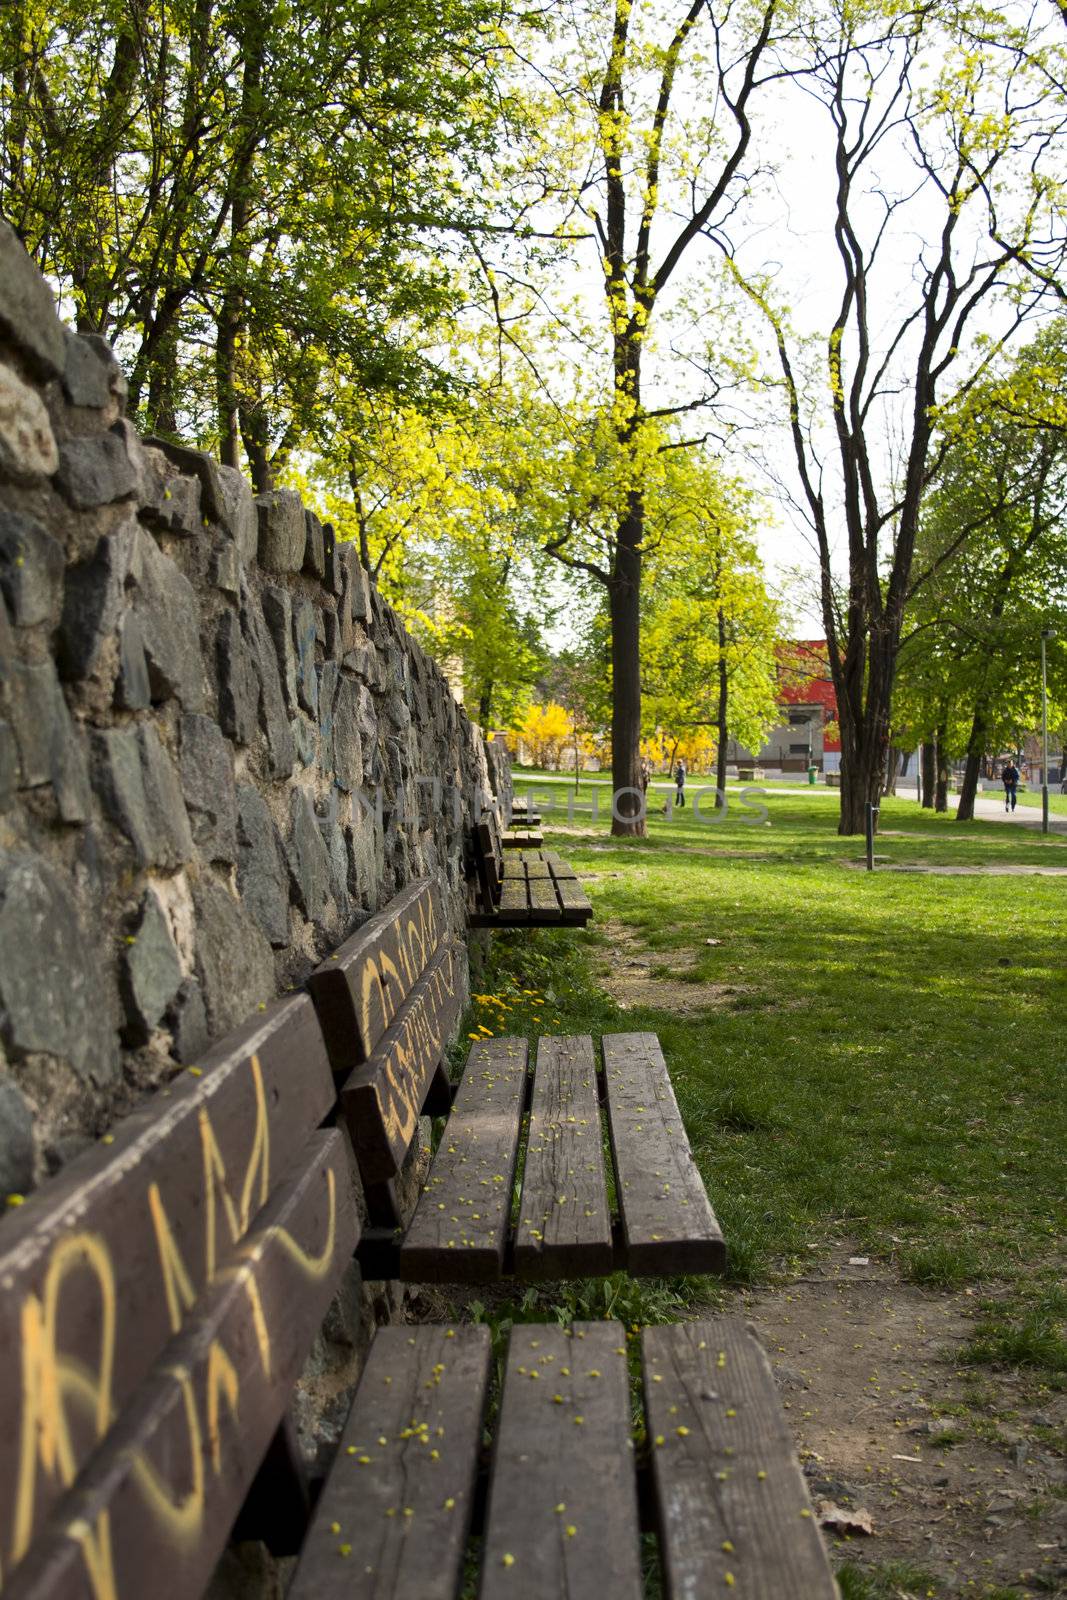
x=523 y=888
x=163 y=1293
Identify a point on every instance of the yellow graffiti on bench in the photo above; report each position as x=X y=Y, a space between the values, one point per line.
x=54 y=1382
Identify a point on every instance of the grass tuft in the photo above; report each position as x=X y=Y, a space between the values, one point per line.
x=940 y=1266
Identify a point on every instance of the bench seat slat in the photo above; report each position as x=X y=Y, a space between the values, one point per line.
x=668 y=1223
x=155 y=1504
x=514 y=900
x=564 y=1227
x=559 y=867
x=573 y=900
x=382 y=1099
x=732 y=1475
x=521 y=839
x=563 y=1497
x=460 y=1228
x=401 y=1508
x=191 y=1166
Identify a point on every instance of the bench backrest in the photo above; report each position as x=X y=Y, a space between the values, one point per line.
x=388 y=1000
x=159 y=1298
x=489 y=856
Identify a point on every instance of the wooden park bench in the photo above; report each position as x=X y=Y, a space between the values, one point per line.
x=524 y=812
x=162 y=1295
x=523 y=888
x=388 y=1002
x=518 y=835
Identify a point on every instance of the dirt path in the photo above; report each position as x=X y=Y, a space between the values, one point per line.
x=956 y=1469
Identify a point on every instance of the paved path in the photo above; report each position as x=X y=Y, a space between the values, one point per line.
x=988 y=808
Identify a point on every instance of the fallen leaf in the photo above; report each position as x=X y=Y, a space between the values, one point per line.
x=859 y=1261
x=839 y=1520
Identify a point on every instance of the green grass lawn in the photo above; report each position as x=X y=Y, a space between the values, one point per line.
x=890 y=1067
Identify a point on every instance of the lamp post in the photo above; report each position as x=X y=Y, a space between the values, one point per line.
x=1046 y=635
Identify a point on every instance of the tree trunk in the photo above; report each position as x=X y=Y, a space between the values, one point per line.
x=724 y=687
x=485 y=704
x=941 y=781
x=627 y=818
x=892 y=769
x=929 y=755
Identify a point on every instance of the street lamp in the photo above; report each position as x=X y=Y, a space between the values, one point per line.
x=1046 y=635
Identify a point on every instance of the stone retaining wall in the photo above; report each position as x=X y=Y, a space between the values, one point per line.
x=212 y=731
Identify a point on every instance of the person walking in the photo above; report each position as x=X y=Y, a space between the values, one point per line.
x=646 y=776
x=679 y=782
x=1009 y=777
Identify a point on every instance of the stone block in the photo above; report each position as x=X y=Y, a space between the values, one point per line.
x=49 y=748
x=305 y=740
x=238 y=681
x=225 y=496
x=86 y=378
x=226 y=568
x=96 y=471
x=136 y=781
x=273 y=716
x=31 y=569
x=262 y=873
x=314 y=549
x=305 y=634
x=151 y=971
x=52 y=993
x=133 y=688
x=278 y=615
x=282 y=534
x=27 y=310
x=116 y=378
x=347 y=750
x=309 y=864
x=187 y=1020
x=171 y=501
x=330 y=559
x=165 y=604
x=28 y=450
x=9 y=765
x=334 y=841
x=93 y=600
x=208 y=787
x=234 y=961
x=16 y=1140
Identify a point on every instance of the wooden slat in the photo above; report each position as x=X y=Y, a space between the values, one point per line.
x=574 y=902
x=98 y=1269
x=668 y=1224
x=359 y=990
x=564 y=1227
x=725 y=1472
x=382 y=1099
x=459 y=1230
x=560 y=868
x=154 y=1507
x=562 y=1516
x=535 y=866
x=515 y=900
x=490 y=865
x=544 y=902
x=524 y=839
x=393 y=1517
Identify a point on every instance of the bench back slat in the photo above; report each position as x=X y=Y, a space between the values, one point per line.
x=154 y=1507
x=358 y=991
x=490 y=854
x=382 y=1098
x=99 y=1269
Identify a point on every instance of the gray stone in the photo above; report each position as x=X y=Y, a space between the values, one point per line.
x=238 y=682
x=305 y=740
x=27 y=311
x=136 y=781
x=95 y=471
x=27 y=444
x=360 y=597
x=9 y=765
x=31 y=569
x=208 y=786
x=262 y=874
x=328 y=675
x=305 y=633
x=171 y=500
x=86 y=377
x=133 y=690
x=314 y=550
x=337 y=856
x=309 y=864
x=187 y=1019
x=273 y=717
x=347 y=750
x=226 y=568
x=51 y=990
x=282 y=535
x=151 y=971
x=278 y=614
x=234 y=961
x=92 y=604
x=236 y=510
x=331 y=625
x=116 y=378
x=165 y=604
x=49 y=750
x=16 y=1140
x=330 y=559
